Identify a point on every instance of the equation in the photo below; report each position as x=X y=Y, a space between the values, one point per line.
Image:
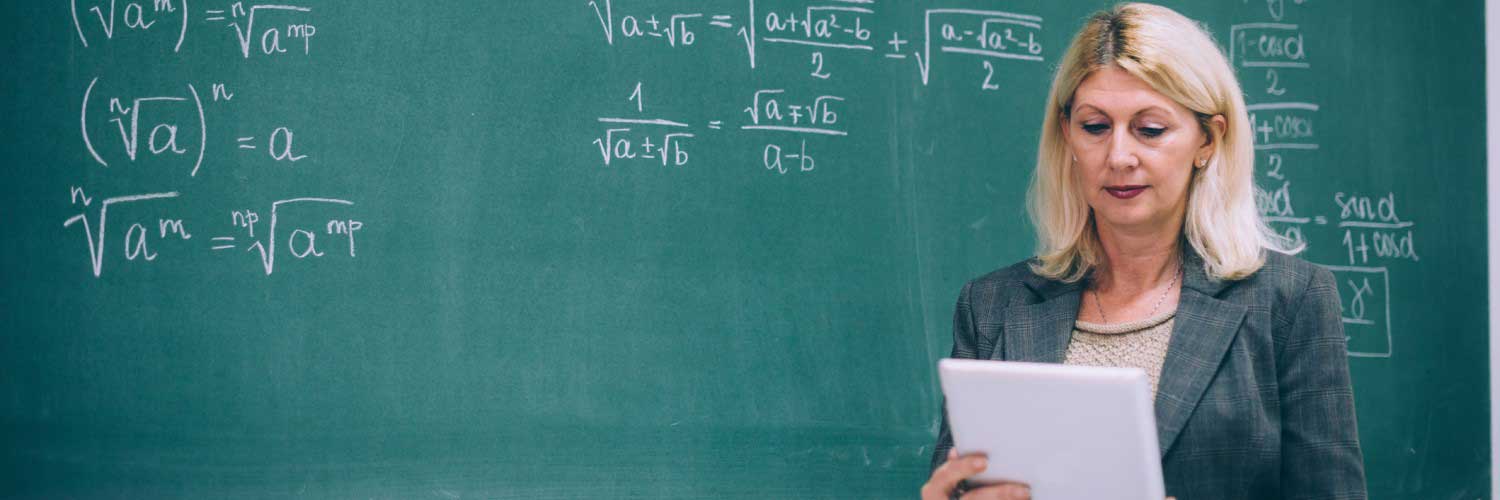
x=667 y=142
x=134 y=127
x=282 y=29
x=1271 y=55
x=172 y=127
x=988 y=36
x=798 y=130
x=295 y=234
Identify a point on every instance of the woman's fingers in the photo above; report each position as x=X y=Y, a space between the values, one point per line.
x=947 y=476
x=1006 y=491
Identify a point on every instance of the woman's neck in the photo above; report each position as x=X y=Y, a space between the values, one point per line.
x=1137 y=262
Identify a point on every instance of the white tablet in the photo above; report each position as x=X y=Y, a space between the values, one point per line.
x=1070 y=432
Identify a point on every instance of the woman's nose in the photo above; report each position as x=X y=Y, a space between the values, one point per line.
x=1122 y=152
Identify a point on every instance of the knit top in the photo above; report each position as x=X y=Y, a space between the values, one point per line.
x=1133 y=344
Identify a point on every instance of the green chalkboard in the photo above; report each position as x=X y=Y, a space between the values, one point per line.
x=639 y=249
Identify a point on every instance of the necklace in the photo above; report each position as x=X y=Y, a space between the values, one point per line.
x=1100 y=305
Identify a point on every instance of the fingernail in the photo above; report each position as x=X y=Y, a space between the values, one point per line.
x=1020 y=492
x=979 y=463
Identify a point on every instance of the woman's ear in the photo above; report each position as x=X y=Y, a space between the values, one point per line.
x=1216 y=127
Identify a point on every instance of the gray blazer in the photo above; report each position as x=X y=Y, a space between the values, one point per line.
x=1254 y=400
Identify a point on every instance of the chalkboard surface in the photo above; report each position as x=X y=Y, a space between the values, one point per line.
x=639 y=249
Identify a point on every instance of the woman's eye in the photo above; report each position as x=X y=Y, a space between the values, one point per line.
x=1095 y=128
x=1152 y=131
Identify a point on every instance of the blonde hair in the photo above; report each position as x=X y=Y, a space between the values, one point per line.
x=1178 y=58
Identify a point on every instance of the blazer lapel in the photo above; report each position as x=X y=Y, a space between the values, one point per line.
x=1201 y=333
x=1040 y=332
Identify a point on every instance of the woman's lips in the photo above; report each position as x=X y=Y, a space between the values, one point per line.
x=1125 y=192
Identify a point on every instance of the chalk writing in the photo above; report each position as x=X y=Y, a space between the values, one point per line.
x=1284 y=125
x=136 y=244
x=172 y=18
x=169 y=126
x=835 y=27
x=665 y=141
x=984 y=33
x=830 y=32
x=301 y=242
x=125 y=126
x=1368 y=230
x=1267 y=45
x=1372 y=225
x=1366 y=309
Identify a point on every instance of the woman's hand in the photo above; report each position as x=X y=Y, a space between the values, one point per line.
x=946 y=477
x=940 y=486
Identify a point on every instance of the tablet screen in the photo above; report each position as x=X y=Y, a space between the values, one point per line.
x=1067 y=431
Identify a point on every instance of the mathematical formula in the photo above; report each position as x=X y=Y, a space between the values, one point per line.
x=987 y=35
x=142 y=235
x=800 y=125
x=173 y=127
x=257 y=29
x=185 y=128
x=1368 y=227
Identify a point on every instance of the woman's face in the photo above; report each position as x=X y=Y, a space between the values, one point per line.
x=1135 y=149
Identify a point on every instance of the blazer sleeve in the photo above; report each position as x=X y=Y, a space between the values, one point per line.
x=965 y=346
x=1320 y=442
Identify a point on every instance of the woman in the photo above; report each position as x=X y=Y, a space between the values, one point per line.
x=1152 y=254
